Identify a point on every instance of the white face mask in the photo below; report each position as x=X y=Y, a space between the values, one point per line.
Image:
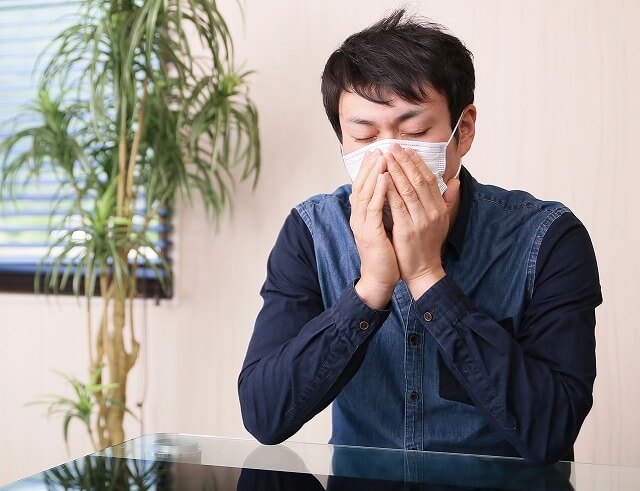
x=433 y=154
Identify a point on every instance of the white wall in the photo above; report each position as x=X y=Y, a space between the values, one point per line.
x=557 y=115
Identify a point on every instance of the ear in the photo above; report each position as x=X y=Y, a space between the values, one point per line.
x=466 y=130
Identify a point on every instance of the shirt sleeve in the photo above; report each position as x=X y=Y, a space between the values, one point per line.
x=300 y=354
x=535 y=385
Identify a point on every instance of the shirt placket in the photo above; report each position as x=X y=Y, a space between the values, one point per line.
x=414 y=390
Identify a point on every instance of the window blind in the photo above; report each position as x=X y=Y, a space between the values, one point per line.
x=26 y=29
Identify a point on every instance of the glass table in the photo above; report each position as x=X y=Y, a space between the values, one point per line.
x=190 y=462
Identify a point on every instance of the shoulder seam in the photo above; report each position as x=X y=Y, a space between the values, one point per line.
x=537 y=242
x=305 y=217
x=532 y=203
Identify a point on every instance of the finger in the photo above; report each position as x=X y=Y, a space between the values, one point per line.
x=433 y=191
x=398 y=208
x=374 y=208
x=452 y=193
x=363 y=197
x=367 y=163
x=413 y=169
x=453 y=190
x=405 y=189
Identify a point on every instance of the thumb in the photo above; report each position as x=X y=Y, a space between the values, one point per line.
x=452 y=192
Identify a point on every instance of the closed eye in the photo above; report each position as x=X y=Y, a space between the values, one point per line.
x=365 y=140
x=415 y=135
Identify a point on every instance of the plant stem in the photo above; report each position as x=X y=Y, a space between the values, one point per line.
x=122 y=166
x=101 y=342
x=93 y=441
x=136 y=142
x=118 y=368
x=89 y=329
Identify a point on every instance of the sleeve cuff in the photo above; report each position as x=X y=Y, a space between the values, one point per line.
x=442 y=306
x=355 y=317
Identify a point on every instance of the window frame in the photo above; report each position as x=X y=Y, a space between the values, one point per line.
x=21 y=280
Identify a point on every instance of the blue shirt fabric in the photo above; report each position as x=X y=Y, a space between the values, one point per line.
x=537 y=369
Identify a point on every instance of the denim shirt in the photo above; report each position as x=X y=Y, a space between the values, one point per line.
x=468 y=367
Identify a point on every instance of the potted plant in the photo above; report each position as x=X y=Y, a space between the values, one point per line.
x=141 y=102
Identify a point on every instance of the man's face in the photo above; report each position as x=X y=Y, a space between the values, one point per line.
x=363 y=122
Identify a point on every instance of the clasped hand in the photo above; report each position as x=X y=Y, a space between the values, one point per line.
x=421 y=217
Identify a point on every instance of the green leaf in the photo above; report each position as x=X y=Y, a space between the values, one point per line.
x=65 y=428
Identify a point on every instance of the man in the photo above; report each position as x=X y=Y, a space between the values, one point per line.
x=458 y=322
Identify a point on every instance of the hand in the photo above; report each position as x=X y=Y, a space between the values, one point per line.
x=379 y=272
x=420 y=218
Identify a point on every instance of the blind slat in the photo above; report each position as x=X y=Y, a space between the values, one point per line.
x=29 y=6
x=43 y=246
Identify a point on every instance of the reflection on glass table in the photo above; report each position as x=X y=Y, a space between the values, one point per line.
x=168 y=461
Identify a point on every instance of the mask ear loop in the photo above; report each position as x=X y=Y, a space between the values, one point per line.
x=455 y=128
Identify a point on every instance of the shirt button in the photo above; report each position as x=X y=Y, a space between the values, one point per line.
x=427 y=316
x=364 y=325
x=413 y=339
x=414 y=396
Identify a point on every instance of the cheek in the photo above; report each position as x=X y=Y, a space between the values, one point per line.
x=348 y=147
x=453 y=162
x=452 y=153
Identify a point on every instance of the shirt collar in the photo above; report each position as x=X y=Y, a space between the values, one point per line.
x=455 y=239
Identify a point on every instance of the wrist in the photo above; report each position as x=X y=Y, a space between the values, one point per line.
x=419 y=285
x=375 y=295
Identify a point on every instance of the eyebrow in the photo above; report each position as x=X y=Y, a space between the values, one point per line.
x=403 y=117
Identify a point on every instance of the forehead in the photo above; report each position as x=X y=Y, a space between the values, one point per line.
x=353 y=106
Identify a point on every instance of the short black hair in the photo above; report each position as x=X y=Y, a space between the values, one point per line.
x=402 y=55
